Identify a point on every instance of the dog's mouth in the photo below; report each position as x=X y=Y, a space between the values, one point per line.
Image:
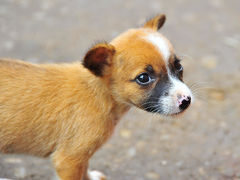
x=164 y=112
x=167 y=108
x=175 y=114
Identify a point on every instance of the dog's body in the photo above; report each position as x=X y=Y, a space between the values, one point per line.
x=68 y=111
x=44 y=109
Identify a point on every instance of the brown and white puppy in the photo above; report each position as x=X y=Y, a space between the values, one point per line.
x=68 y=111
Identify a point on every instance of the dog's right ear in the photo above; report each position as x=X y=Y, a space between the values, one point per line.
x=98 y=58
x=156 y=22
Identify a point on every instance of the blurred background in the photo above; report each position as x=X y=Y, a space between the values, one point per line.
x=203 y=144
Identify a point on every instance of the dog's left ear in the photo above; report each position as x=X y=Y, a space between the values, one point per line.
x=156 y=22
x=98 y=58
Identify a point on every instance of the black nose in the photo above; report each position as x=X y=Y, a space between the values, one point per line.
x=185 y=103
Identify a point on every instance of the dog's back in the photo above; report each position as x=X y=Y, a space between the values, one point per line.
x=20 y=85
x=29 y=105
x=40 y=105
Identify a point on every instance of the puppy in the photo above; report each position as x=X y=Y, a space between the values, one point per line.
x=68 y=111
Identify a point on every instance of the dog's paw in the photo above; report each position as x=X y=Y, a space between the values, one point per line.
x=96 y=175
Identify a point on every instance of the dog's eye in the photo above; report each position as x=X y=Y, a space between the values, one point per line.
x=178 y=66
x=143 y=79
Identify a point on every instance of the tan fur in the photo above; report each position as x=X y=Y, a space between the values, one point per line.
x=65 y=110
x=155 y=23
x=131 y=59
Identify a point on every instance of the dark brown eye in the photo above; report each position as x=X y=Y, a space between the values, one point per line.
x=144 y=79
x=178 y=66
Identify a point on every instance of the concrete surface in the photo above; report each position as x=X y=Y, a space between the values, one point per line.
x=203 y=144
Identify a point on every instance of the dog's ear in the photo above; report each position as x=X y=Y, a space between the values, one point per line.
x=156 y=22
x=98 y=57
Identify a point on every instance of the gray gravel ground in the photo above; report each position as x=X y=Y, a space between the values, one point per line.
x=203 y=144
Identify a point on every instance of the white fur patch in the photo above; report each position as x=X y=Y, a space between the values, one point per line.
x=161 y=45
x=96 y=175
x=170 y=103
x=179 y=87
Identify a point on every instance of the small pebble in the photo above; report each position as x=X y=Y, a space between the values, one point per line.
x=229 y=172
x=179 y=163
x=232 y=42
x=125 y=133
x=209 y=62
x=20 y=172
x=132 y=152
x=9 y=45
x=13 y=160
x=164 y=163
x=152 y=175
x=217 y=94
x=201 y=171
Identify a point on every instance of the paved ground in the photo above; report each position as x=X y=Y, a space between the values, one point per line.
x=204 y=144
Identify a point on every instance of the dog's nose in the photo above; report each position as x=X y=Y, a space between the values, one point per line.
x=184 y=102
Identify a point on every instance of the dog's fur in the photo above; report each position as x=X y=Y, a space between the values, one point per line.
x=68 y=111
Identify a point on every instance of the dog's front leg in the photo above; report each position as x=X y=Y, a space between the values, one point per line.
x=74 y=167
x=93 y=175
x=69 y=166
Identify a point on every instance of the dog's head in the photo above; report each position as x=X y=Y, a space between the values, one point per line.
x=142 y=69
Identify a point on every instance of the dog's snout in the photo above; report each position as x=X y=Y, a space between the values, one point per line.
x=184 y=102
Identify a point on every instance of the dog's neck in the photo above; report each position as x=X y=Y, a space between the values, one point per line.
x=103 y=95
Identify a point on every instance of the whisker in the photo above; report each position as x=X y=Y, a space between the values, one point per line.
x=182 y=56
